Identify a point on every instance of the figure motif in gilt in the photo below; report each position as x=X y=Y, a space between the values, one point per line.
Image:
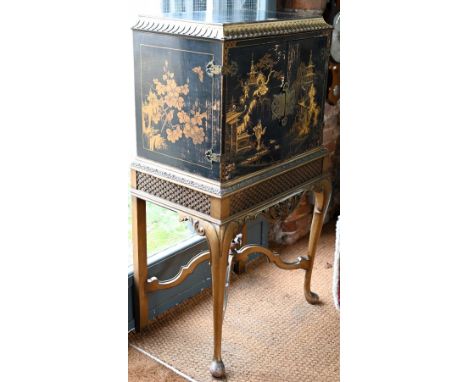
x=259 y=132
x=273 y=106
x=243 y=117
x=308 y=113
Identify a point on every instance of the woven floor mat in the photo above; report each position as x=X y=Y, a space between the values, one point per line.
x=270 y=332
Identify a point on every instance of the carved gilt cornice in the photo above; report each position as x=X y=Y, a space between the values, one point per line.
x=230 y=31
x=273 y=28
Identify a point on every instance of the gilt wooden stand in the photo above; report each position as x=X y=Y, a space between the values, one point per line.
x=219 y=214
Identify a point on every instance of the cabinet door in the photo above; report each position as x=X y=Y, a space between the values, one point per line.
x=177 y=101
x=304 y=94
x=254 y=74
x=273 y=101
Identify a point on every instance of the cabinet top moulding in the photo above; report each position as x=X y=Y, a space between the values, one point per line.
x=234 y=27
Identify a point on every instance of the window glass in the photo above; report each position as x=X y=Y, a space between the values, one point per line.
x=179 y=6
x=164 y=6
x=163 y=229
x=199 y=5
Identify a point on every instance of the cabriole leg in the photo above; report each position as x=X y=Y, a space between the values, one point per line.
x=322 y=194
x=219 y=241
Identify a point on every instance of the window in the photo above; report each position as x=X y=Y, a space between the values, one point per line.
x=215 y=5
x=164 y=231
x=167 y=262
x=249 y=4
x=199 y=5
x=179 y=6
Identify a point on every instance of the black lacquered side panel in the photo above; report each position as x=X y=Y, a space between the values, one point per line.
x=178 y=101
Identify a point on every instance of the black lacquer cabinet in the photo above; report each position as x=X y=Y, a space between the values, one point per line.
x=225 y=96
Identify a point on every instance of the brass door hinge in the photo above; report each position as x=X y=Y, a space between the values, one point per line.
x=212 y=157
x=212 y=69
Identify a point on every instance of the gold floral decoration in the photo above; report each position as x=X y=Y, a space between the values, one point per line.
x=157 y=142
x=163 y=115
x=198 y=70
x=174 y=135
x=192 y=125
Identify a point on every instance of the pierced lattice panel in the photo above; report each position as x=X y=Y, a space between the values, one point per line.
x=173 y=192
x=259 y=193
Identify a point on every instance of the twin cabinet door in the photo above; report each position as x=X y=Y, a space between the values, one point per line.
x=274 y=95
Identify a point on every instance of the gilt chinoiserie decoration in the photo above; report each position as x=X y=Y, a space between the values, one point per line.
x=229 y=121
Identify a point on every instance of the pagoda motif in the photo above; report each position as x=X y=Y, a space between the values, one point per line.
x=309 y=72
x=308 y=114
x=252 y=81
